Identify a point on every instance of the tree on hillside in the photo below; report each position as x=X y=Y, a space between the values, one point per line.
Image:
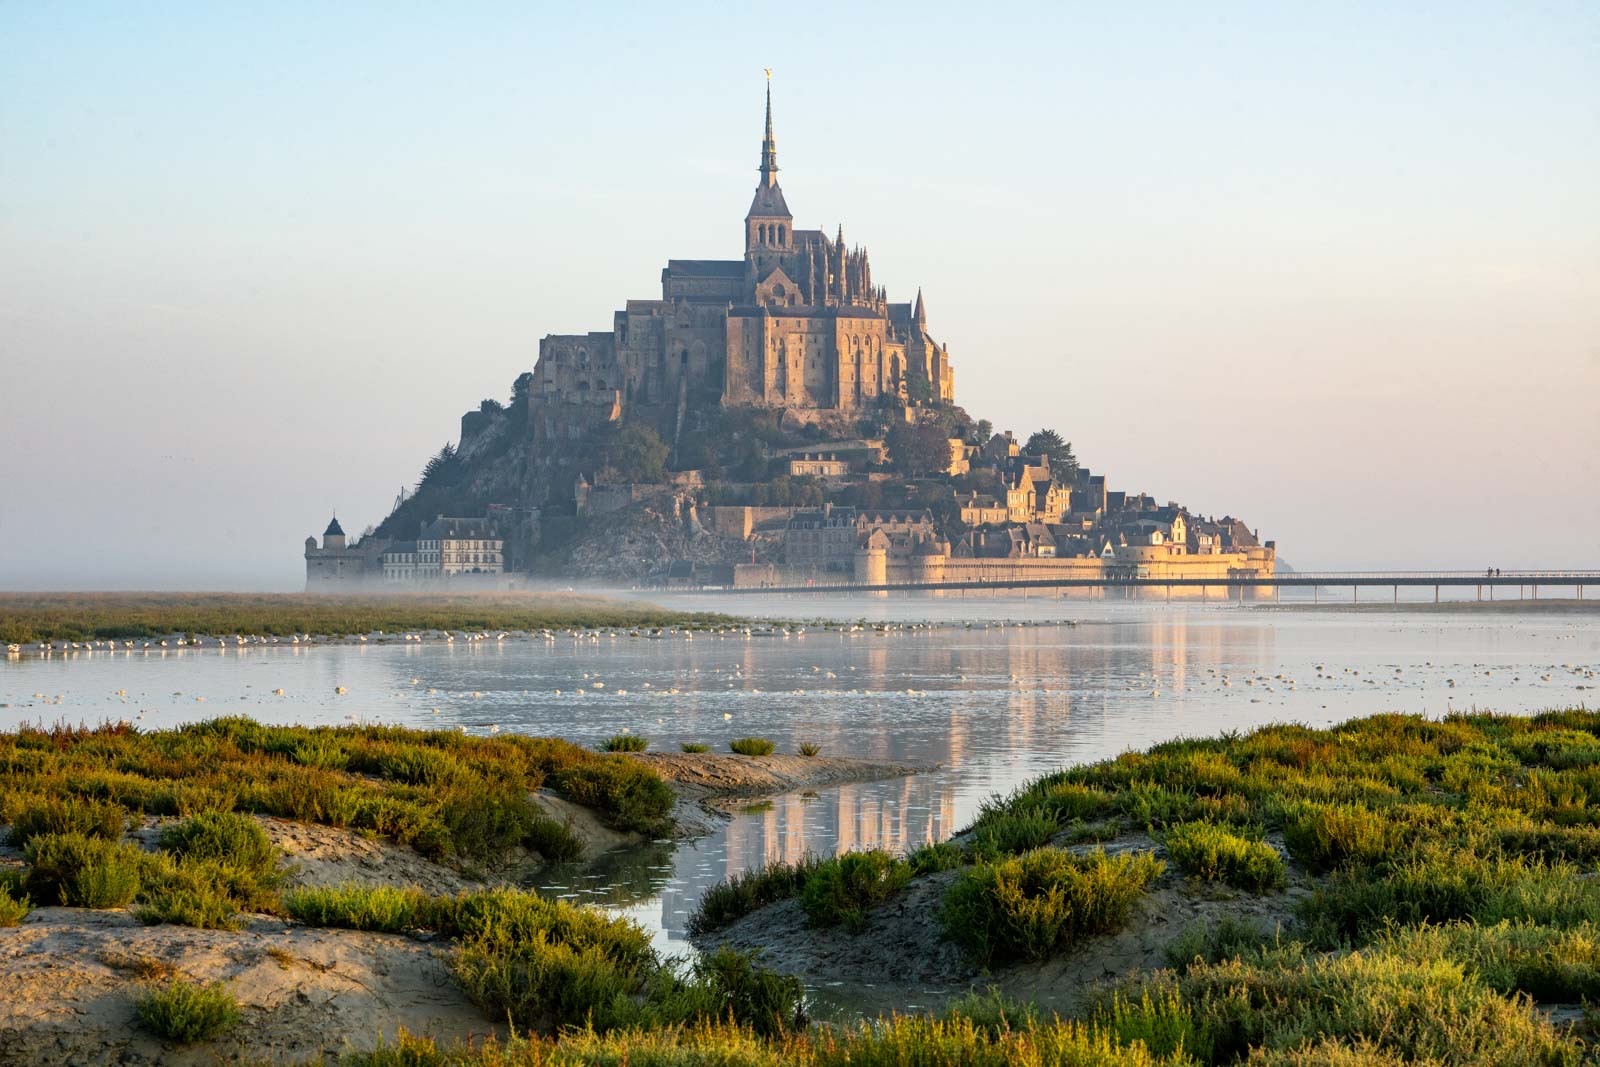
x=1049 y=443
x=442 y=469
x=638 y=454
x=982 y=430
x=918 y=450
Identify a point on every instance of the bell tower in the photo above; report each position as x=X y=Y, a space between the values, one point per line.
x=768 y=228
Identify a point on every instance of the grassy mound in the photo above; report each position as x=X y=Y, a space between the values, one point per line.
x=451 y=797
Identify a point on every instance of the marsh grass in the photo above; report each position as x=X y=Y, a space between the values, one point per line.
x=1418 y=1010
x=752 y=746
x=694 y=746
x=947 y=1040
x=94 y=616
x=186 y=1013
x=1215 y=854
x=452 y=798
x=839 y=890
x=748 y=891
x=14 y=904
x=809 y=749
x=624 y=743
x=1032 y=906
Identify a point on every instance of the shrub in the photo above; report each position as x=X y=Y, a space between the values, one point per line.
x=1443 y=885
x=1214 y=854
x=808 y=749
x=1423 y=1011
x=543 y=965
x=352 y=906
x=747 y=891
x=1324 y=836
x=839 y=890
x=1030 y=906
x=1548 y=964
x=694 y=746
x=729 y=986
x=1226 y=940
x=999 y=833
x=82 y=872
x=624 y=743
x=31 y=816
x=186 y=1012
x=223 y=835
x=625 y=792
x=554 y=841
x=935 y=857
x=752 y=746
x=14 y=906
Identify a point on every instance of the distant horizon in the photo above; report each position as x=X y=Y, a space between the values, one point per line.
x=1335 y=273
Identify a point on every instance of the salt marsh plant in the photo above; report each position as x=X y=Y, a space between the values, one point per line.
x=185 y=1012
x=1215 y=854
x=840 y=889
x=1032 y=906
x=752 y=746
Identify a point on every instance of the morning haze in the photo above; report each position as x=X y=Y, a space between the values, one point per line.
x=1338 y=272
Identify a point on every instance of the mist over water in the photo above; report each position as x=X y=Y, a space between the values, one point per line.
x=993 y=702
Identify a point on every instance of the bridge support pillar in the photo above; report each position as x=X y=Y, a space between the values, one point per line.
x=1355 y=594
x=1435 y=594
x=1316 y=594
x=1397 y=594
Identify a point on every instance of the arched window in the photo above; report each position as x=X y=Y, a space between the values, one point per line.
x=780 y=233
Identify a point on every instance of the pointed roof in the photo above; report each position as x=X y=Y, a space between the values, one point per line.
x=769 y=202
x=334 y=529
x=919 y=314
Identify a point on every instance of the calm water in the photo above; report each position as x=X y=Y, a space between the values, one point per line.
x=995 y=704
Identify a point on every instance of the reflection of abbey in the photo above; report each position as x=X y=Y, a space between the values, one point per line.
x=796 y=324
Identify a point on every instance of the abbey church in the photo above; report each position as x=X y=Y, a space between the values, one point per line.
x=797 y=325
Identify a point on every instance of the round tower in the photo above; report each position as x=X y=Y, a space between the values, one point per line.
x=872 y=565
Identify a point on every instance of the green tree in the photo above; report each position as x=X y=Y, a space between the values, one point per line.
x=918 y=450
x=982 y=430
x=638 y=454
x=1048 y=443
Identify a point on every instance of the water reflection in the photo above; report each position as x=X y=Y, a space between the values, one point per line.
x=993 y=706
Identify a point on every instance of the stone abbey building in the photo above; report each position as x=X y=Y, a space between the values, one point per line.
x=796 y=325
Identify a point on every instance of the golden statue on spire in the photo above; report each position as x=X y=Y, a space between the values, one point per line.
x=769 y=72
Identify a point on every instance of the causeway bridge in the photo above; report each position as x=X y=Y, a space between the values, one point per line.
x=1487 y=584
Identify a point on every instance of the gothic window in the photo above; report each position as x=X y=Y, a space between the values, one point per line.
x=780 y=233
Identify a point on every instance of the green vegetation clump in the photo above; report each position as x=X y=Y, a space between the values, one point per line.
x=809 y=749
x=1001 y=832
x=186 y=1013
x=624 y=743
x=14 y=902
x=354 y=906
x=1283 y=1005
x=25 y=619
x=453 y=798
x=32 y=814
x=752 y=746
x=694 y=746
x=935 y=857
x=747 y=891
x=82 y=872
x=1215 y=854
x=898 y=1041
x=1032 y=906
x=838 y=890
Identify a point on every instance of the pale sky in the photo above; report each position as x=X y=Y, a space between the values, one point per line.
x=1333 y=268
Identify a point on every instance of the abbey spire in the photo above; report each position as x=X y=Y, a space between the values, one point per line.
x=769 y=146
x=768 y=227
